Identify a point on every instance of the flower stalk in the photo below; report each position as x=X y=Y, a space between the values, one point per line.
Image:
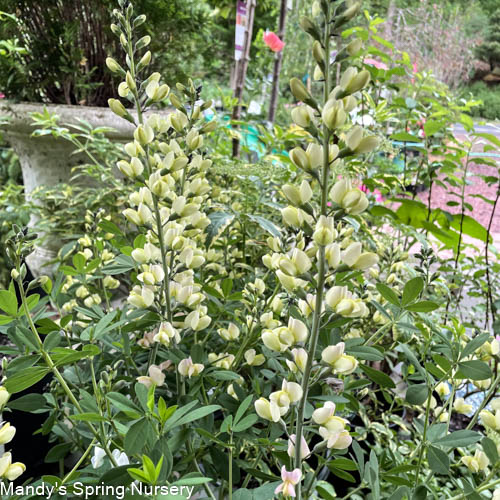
x=299 y=429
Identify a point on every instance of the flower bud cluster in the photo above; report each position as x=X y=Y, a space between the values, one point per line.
x=332 y=428
x=279 y=402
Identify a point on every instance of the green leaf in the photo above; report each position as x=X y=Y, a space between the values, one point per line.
x=489 y=137
x=53 y=339
x=192 y=481
x=343 y=463
x=474 y=344
x=218 y=221
x=490 y=448
x=194 y=415
x=79 y=262
x=211 y=437
x=422 y=306
x=404 y=137
x=459 y=439
x=103 y=326
x=417 y=394
x=116 y=476
x=439 y=462
x=433 y=126
x=245 y=423
x=242 y=408
x=326 y=490
x=410 y=356
x=122 y=403
x=388 y=294
x=121 y=264
x=378 y=377
x=470 y=227
x=58 y=452
x=8 y=302
x=32 y=301
x=88 y=417
x=29 y=403
x=420 y=493
x=342 y=474
x=412 y=290
x=435 y=370
x=26 y=378
x=109 y=227
x=443 y=362
x=365 y=352
x=381 y=211
x=224 y=375
x=227 y=286
x=138 y=435
x=5 y=320
x=266 y=224
x=473 y=370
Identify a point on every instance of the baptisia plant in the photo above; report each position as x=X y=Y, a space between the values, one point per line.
x=317 y=264
x=177 y=359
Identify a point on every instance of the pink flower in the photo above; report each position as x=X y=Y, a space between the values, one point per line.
x=376 y=193
x=290 y=479
x=375 y=63
x=273 y=41
x=2 y=95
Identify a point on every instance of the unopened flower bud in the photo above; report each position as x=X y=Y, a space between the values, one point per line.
x=302 y=116
x=325 y=232
x=299 y=90
x=354 y=47
x=117 y=107
x=113 y=65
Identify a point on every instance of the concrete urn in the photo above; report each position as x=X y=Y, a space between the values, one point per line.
x=47 y=160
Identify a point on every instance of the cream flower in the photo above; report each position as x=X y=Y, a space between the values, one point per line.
x=460 y=406
x=290 y=480
x=479 y=462
x=189 y=369
x=304 y=447
x=254 y=359
x=267 y=410
x=7 y=433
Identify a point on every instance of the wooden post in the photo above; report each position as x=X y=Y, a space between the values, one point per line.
x=241 y=71
x=273 y=104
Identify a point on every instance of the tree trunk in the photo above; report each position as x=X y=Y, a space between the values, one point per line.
x=241 y=71
x=391 y=11
x=273 y=105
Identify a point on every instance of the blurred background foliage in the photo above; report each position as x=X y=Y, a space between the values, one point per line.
x=54 y=51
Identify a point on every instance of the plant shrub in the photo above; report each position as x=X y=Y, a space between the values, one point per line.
x=489 y=95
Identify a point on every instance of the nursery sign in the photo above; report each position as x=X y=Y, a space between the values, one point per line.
x=86 y=491
x=241 y=25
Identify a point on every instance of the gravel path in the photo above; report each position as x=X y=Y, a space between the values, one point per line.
x=481 y=210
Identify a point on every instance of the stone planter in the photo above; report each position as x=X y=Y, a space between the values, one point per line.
x=46 y=160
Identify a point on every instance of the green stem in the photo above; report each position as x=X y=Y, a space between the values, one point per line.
x=80 y=462
x=423 y=443
x=321 y=271
x=351 y=493
x=230 y=472
x=484 y=402
x=57 y=373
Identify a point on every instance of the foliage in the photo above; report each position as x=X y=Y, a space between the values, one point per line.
x=489 y=96
x=55 y=51
x=489 y=50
